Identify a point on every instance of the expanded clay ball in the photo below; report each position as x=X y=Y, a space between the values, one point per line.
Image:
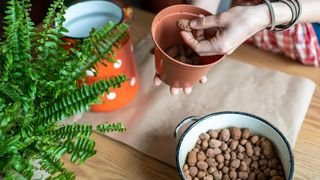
x=193 y=171
x=192 y=158
x=235 y=133
x=202 y=165
x=224 y=147
x=183 y=25
x=232 y=153
x=245 y=133
x=213 y=133
x=224 y=135
x=185 y=55
x=214 y=143
x=173 y=51
x=234 y=144
x=249 y=149
x=201 y=156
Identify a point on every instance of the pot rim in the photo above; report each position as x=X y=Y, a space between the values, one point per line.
x=291 y=160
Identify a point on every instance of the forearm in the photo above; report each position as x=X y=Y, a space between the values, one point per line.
x=310 y=12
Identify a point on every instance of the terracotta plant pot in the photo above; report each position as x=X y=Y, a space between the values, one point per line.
x=94 y=14
x=165 y=34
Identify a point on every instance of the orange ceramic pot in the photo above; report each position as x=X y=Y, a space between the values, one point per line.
x=81 y=17
x=165 y=34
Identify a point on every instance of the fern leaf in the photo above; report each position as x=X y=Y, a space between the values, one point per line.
x=81 y=149
x=11 y=33
x=54 y=167
x=99 y=46
x=71 y=131
x=113 y=127
x=10 y=91
x=77 y=102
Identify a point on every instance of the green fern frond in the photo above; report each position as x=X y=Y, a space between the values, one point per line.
x=54 y=11
x=18 y=168
x=81 y=149
x=10 y=116
x=13 y=175
x=113 y=127
x=103 y=40
x=77 y=102
x=11 y=91
x=54 y=167
x=26 y=30
x=11 y=46
x=38 y=88
x=98 y=47
x=71 y=131
x=67 y=175
x=49 y=42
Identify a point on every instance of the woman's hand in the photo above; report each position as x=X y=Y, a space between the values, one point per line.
x=232 y=27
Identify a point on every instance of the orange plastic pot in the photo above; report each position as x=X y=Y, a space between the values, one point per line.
x=81 y=17
x=165 y=34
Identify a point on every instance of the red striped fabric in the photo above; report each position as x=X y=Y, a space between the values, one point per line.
x=298 y=43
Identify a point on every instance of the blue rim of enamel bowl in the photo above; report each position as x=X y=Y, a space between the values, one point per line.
x=291 y=160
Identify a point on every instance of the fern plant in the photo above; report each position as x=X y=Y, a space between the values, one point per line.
x=39 y=87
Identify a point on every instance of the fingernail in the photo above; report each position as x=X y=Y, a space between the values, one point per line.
x=203 y=80
x=174 y=91
x=193 y=23
x=187 y=90
x=157 y=81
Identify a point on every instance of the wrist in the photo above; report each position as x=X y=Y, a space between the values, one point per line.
x=282 y=13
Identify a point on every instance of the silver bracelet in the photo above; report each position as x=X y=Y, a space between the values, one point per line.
x=295 y=8
x=272 y=15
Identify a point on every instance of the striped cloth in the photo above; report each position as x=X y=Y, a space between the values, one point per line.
x=299 y=43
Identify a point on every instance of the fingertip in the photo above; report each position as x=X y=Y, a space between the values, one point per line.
x=187 y=90
x=189 y=39
x=193 y=24
x=157 y=81
x=199 y=22
x=186 y=34
x=174 y=91
x=203 y=80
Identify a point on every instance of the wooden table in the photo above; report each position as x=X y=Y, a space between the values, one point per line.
x=118 y=161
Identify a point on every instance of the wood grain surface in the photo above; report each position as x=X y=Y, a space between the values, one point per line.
x=115 y=160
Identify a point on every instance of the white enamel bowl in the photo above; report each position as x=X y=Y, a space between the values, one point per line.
x=220 y=120
x=81 y=16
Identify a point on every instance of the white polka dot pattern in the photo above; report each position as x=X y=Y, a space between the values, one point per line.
x=90 y=72
x=117 y=64
x=111 y=96
x=133 y=81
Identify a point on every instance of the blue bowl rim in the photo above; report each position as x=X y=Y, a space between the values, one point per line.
x=291 y=169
